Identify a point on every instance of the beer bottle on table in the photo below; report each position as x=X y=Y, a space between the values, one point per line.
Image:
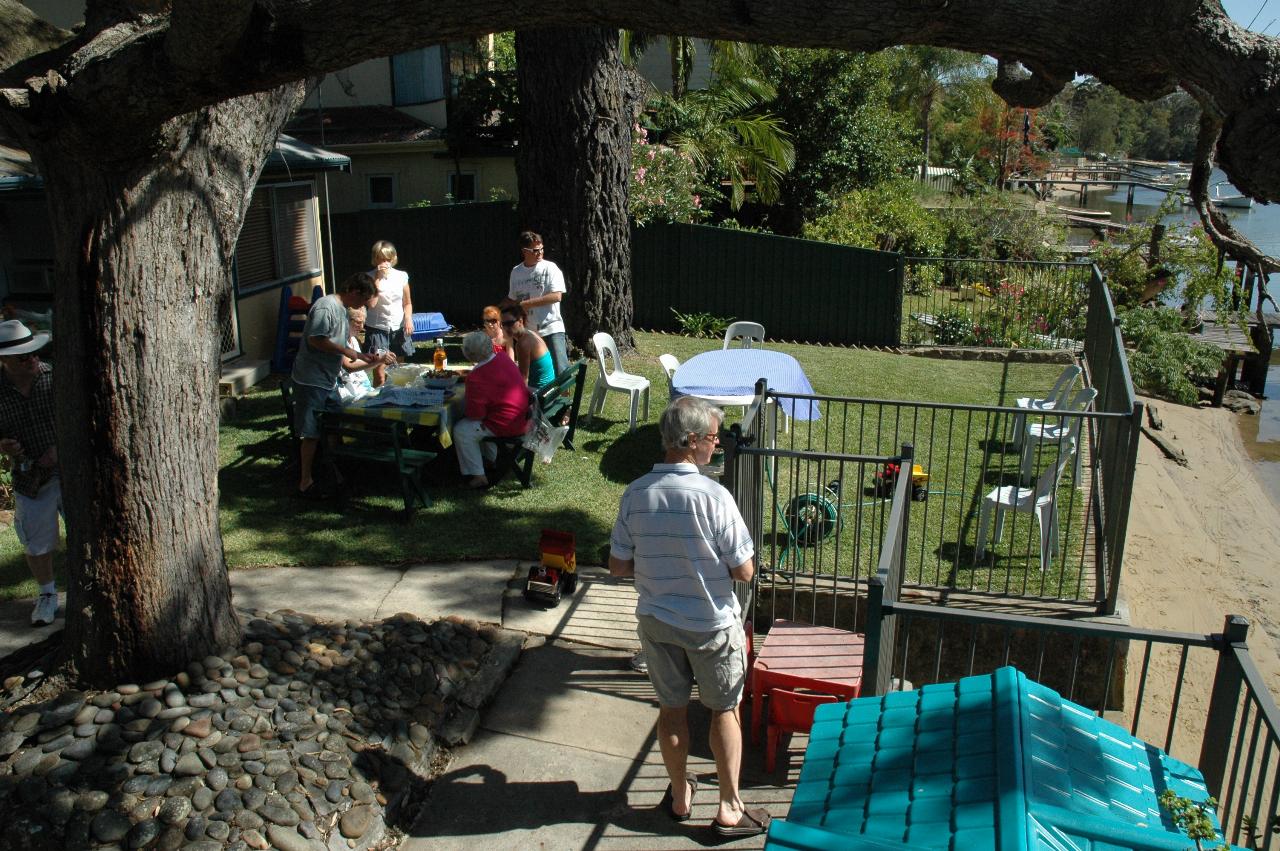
x=440 y=361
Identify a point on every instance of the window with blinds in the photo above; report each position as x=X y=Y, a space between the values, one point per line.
x=278 y=241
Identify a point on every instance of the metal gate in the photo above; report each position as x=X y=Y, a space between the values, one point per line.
x=818 y=533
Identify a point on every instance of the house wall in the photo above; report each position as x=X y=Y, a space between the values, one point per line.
x=259 y=313
x=421 y=172
x=369 y=84
x=655 y=65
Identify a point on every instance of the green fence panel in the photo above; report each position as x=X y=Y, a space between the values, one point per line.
x=798 y=289
x=458 y=256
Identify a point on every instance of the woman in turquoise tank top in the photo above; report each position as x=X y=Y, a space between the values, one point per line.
x=532 y=355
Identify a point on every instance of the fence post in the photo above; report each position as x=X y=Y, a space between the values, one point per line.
x=729 y=478
x=879 y=631
x=1223 y=702
x=908 y=452
x=882 y=590
x=1120 y=519
x=900 y=279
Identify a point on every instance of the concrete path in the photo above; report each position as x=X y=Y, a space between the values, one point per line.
x=566 y=756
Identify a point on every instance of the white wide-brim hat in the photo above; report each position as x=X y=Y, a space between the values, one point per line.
x=17 y=339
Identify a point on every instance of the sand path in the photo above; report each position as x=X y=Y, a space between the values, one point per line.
x=1203 y=542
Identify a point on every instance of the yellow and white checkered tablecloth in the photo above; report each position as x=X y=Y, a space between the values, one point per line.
x=440 y=417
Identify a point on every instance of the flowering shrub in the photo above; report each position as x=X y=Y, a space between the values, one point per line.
x=1018 y=312
x=665 y=185
x=954 y=328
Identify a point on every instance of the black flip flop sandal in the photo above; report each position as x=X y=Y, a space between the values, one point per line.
x=667 y=804
x=752 y=822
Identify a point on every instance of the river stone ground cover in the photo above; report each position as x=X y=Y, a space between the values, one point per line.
x=310 y=735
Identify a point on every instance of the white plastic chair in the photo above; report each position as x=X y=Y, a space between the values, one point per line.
x=1040 y=501
x=1056 y=399
x=1066 y=433
x=752 y=334
x=670 y=363
x=619 y=379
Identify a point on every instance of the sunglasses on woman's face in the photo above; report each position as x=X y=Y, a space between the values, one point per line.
x=491 y=322
x=509 y=323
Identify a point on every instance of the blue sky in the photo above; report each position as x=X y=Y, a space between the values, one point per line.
x=1242 y=11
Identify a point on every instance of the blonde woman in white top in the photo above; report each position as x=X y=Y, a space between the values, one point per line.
x=389 y=325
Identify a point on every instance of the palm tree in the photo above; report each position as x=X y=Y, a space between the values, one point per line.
x=722 y=127
x=921 y=76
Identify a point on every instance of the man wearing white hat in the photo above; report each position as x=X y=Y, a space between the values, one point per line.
x=27 y=437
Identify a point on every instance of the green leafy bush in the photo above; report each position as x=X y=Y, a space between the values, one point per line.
x=995 y=328
x=1164 y=361
x=954 y=328
x=886 y=217
x=922 y=278
x=6 y=483
x=1001 y=226
x=701 y=324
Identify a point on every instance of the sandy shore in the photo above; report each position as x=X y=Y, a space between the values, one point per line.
x=1204 y=542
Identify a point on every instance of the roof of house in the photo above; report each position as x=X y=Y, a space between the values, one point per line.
x=290 y=155
x=994 y=762
x=361 y=125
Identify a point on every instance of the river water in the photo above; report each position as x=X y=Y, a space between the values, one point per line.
x=1261 y=223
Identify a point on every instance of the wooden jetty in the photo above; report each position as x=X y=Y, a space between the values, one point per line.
x=1041 y=185
x=1235 y=343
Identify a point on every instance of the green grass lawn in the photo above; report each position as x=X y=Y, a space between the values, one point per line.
x=579 y=491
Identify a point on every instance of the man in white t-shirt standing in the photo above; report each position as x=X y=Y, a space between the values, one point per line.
x=681 y=536
x=538 y=284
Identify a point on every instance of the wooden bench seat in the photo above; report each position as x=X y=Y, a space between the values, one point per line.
x=369 y=441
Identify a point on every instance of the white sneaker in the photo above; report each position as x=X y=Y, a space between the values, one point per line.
x=45 y=611
x=639 y=663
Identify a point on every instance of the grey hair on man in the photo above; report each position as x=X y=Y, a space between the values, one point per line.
x=476 y=346
x=687 y=415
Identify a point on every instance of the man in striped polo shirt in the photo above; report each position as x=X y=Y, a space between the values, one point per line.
x=681 y=536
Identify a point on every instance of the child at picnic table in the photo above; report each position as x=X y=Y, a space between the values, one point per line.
x=390 y=318
x=354 y=380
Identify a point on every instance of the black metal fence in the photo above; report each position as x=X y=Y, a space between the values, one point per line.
x=822 y=502
x=1114 y=437
x=1199 y=697
x=1002 y=303
x=807 y=570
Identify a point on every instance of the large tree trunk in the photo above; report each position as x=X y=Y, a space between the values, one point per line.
x=573 y=163
x=144 y=231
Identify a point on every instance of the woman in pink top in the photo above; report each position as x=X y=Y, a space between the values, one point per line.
x=497 y=406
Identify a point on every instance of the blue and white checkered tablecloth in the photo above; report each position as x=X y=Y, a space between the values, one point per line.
x=734 y=372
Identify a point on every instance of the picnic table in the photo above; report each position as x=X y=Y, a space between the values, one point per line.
x=440 y=416
x=370 y=430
